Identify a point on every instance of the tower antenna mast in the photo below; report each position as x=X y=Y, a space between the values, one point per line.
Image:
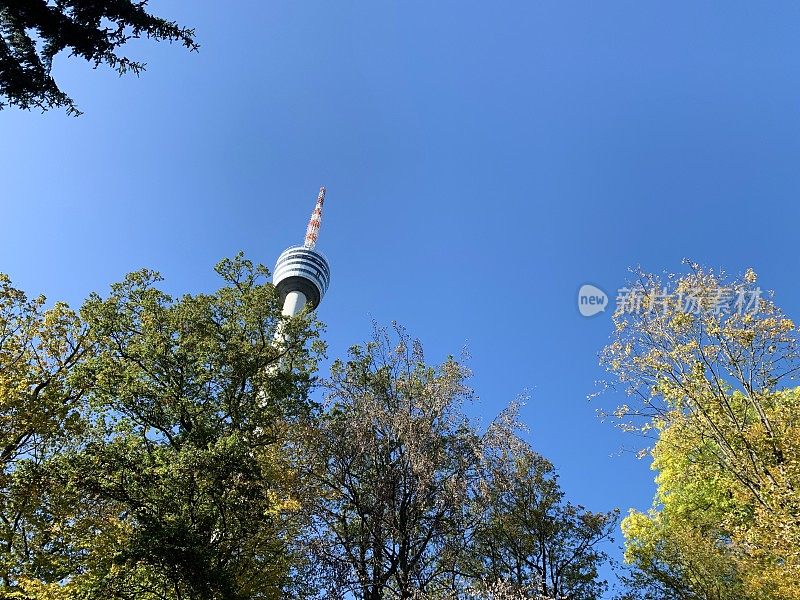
x=312 y=231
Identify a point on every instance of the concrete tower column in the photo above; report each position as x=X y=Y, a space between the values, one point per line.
x=294 y=303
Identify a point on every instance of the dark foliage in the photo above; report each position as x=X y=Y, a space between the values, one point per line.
x=33 y=32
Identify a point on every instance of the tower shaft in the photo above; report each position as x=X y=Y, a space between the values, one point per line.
x=293 y=303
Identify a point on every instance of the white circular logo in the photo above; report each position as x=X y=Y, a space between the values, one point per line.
x=591 y=300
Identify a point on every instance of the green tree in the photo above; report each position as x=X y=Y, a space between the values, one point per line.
x=413 y=501
x=33 y=32
x=181 y=483
x=41 y=411
x=714 y=387
x=198 y=401
x=397 y=461
x=530 y=538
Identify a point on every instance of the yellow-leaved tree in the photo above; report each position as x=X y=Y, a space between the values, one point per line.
x=709 y=363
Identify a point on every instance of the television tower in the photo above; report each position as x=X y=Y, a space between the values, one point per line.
x=302 y=274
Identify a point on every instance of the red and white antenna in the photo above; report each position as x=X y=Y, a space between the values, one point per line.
x=312 y=231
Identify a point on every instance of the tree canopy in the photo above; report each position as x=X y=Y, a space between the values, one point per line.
x=34 y=32
x=187 y=448
x=415 y=501
x=149 y=459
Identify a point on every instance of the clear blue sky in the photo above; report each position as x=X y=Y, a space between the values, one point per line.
x=483 y=160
